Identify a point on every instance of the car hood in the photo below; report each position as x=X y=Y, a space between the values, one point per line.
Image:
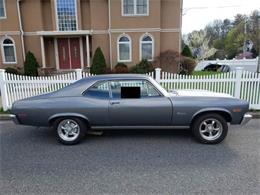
x=199 y=93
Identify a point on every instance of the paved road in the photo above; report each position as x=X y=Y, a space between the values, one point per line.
x=139 y=162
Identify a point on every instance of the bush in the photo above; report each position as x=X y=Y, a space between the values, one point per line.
x=30 y=65
x=11 y=70
x=108 y=71
x=98 y=63
x=120 y=68
x=143 y=67
x=187 y=65
x=168 y=61
x=186 y=52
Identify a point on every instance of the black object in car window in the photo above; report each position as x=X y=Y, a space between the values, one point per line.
x=130 y=92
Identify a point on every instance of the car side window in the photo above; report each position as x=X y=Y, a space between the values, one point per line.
x=99 y=90
x=134 y=89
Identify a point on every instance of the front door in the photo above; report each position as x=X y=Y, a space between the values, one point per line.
x=75 y=53
x=69 y=53
x=148 y=108
x=64 y=53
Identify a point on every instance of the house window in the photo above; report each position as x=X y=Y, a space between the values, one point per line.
x=147 y=47
x=2 y=9
x=8 y=51
x=66 y=13
x=135 y=7
x=124 y=51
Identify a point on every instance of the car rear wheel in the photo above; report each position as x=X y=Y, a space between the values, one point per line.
x=210 y=128
x=70 y=130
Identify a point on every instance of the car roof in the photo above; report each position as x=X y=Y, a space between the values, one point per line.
x=81 y=85
x=116 y=76
x=104 y=77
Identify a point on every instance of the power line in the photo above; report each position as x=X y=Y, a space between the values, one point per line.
x=185 y=10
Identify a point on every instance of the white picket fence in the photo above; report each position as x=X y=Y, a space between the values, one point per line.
x=247 y=64
x=15 y=87
x=239 y=83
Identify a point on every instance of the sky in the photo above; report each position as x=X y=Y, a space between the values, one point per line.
x=196 y=19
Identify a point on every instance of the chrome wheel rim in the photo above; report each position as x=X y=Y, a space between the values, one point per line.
x=68 y=130
x=210 y=129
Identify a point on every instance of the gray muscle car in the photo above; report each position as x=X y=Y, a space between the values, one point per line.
x=130 y=101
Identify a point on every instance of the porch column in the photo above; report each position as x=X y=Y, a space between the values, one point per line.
x=56 y=53
x=81 y=53
x=88 y=52
x=43 y=52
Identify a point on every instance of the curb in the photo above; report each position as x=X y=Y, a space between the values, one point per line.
x=256 y=115
x=4 y=117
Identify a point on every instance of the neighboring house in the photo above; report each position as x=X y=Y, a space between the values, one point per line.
x=63 y=34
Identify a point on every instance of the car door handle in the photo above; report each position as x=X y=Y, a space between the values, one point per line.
x=114 y=103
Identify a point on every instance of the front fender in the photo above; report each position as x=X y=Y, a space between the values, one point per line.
x=217 y=110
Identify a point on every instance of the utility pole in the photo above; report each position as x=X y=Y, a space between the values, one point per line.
x=258 y=41
x=245 y=36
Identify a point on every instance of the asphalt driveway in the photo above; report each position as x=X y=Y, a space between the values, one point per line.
x=129 y=162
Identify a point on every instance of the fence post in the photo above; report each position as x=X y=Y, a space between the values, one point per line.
x=239 y=71
x=78 y=74
x=158 y=74
x=3 y=90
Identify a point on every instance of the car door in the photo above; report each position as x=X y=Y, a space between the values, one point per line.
x=128 y=108
x=95 y=105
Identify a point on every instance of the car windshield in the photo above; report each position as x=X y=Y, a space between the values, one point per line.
x=158 y=86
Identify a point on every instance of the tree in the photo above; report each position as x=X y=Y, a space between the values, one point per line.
x=30 y=65
x=239 y=18
x=98 y=63
x=254 y=30
x=199 y=43
x=218 y=29
x=168 y=61
x=226 y=26
x=186 y=52
x=187 y=65
x=226 y=38
x=234 y=41
x=214 y=31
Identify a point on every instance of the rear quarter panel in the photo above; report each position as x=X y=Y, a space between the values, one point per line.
x=38 y=112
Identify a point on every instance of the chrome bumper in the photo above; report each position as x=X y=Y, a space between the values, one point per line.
x=14 y=119
x=246 y=119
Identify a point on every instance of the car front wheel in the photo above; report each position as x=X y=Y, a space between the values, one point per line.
x=210 y=128
x=70 y=130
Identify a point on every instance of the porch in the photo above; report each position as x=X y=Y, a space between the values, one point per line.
x=65 y=51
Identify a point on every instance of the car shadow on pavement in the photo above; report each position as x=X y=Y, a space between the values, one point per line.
x=175 y=134
x=161 y=146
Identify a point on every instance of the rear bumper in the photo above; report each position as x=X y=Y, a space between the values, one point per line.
x=246 y=119
x=14 y=119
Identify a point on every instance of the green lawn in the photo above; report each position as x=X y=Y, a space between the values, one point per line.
x=4 y=112
x=201 y=73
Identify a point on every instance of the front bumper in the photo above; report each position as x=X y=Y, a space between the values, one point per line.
x=246 y=119
x=14 y=119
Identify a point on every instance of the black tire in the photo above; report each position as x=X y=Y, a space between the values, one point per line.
x=204 y=137
x=80 y=130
